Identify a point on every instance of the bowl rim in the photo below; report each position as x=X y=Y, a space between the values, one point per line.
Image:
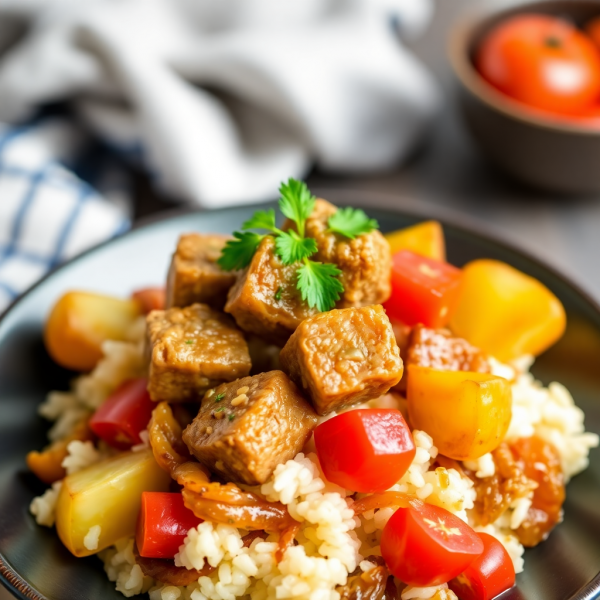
x=458 y=43
x=22 y=589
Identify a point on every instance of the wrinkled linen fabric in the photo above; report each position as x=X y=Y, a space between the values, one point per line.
x=223 y=99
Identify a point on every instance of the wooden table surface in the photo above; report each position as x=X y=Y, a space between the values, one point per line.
x=449 y=173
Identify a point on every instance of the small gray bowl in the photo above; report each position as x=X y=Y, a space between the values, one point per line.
x=543 y=153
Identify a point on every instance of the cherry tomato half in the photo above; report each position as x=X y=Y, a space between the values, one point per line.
x=124 y=415
x=365 y=450
x=488 y=575
x=425 y=545
x=163 y=523
x=542 y=61
x=424 y=290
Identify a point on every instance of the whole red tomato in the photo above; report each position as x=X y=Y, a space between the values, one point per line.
x=542 y=61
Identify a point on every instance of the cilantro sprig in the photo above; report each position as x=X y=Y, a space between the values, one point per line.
x=318 y=283
x=351 y=222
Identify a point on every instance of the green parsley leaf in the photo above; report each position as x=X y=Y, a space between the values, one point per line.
x=231 y=417
x=351 y=222
x=278 y=293
x=296 y=203
x=189 y=341
x=261 y=219
x=220 y=409
x=291 y=248
x=238 y=252
x=319 y=284
x=219 y=397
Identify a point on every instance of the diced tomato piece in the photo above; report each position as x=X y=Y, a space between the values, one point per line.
x=425 y=545
x=365 y=450
x=424 y=290
x=163 y=523
x=124 y=415
x=488 y=575
x=149 y=299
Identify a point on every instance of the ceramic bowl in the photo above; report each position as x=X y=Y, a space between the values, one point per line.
x=553 y=155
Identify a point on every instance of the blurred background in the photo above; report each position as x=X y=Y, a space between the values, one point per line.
x=114 y=111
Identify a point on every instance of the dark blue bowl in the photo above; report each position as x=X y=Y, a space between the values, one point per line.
x=33 y=562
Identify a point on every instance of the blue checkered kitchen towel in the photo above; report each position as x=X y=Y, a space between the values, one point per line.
x=47 y=213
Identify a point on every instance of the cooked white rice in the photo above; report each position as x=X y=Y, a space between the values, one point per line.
x=332 y=540
x=92 y=537
x=81 y=455
x=43 y=507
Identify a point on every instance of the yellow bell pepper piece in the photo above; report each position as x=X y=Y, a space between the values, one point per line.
x=505 y=312
x=467 y=414
x=106 y=494
x=80 y=322
x=425 y=239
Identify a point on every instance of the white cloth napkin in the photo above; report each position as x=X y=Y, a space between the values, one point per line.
x=220 y=100
x=225 y=98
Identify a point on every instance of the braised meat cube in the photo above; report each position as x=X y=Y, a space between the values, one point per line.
x=365 y=261
x=192 y=349
x=342 y=357
x=439 y=349
x=264 y=300
x=194 y=275
x=246 y=428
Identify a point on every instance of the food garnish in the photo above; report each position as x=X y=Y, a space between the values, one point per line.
x=317 y=282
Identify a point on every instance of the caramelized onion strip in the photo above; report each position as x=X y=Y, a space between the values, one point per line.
x=164 y=432
x=256 y=514
x=384 y=500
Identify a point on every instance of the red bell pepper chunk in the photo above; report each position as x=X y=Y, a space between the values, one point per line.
x=425 y=545
x=488 y=575
x=424 y=290
x=124 y=415
x=163 y=523
x=152 y=298
x=365 y=450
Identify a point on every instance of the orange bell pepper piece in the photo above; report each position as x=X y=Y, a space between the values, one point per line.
x=80 y=322
x=467 y=414
x=425 y=239
x=505 y=312
x=47 y=464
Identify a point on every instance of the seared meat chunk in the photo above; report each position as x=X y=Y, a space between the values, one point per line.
x=192 y=349
x=365 y=262
x=439 y=349
x=194 y=275
x=343 y=356
x=246 y=428
x=265 y=300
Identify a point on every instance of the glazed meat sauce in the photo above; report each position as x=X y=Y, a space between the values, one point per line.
x=246 y=428
x=439 y=349
x=365 y=262
x=191 y=350
x=265 y=300
x=342 y=357
x=194 y=275
x=525 y=465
